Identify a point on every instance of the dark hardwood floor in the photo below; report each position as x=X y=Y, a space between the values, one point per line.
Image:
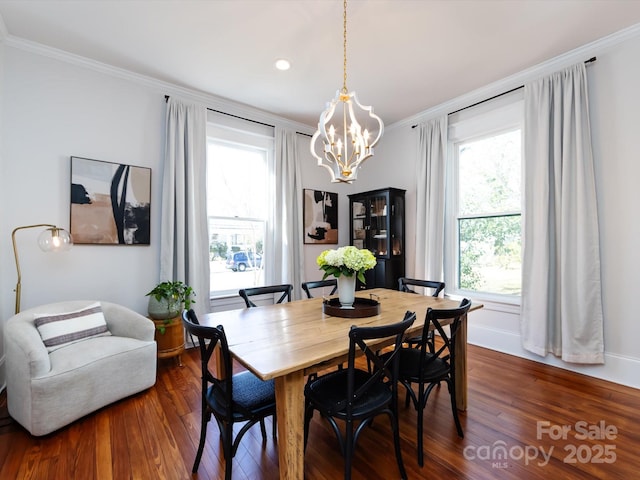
x=517 y=408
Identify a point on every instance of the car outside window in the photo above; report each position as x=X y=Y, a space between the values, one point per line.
x=237 y=199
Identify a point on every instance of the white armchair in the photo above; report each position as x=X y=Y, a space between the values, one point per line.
x=48 y=390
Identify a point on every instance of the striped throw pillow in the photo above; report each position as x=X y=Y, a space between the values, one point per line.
x=61 y=329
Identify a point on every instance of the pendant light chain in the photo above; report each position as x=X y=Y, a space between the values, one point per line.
x=347 y=130
x=344 y=46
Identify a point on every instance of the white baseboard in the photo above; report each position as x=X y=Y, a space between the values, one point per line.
x=617 y=368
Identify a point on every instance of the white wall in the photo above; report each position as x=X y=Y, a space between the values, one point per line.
x=57 y=106
x=317 y=178
x=3 y=241
x=54 y=110
x=51 y=109
x=615 y=97
x=614 y=83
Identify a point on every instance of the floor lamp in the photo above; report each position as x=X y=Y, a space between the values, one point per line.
x=53 y=239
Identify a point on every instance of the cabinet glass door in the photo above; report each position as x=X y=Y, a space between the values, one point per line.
x=397 y=230
x=378 y=210
x=360 y=224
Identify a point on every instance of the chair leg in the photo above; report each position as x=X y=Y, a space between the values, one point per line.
x=395 y=426
x=308 y=414
x=206 y=416
x=396 y=444
x=420 y=409
x=348 y=449
x=263 y=430
x=274 y=426
x=454 y=407
x=410 y=396
x=227 y=446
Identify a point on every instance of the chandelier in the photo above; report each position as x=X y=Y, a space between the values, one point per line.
x=341 y=147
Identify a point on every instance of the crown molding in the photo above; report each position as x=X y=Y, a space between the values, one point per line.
x=513 y=81
x=163 y=87
x=220 y=103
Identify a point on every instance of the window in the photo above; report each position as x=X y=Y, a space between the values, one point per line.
x=237 y=203
x=483 y=219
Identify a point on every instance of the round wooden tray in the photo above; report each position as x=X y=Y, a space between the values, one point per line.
x=362 y=307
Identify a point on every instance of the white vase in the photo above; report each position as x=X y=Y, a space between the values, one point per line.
x=346 y=290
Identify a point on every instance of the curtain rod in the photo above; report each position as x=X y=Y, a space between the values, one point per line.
x=241 y=118
x=586 y=62
x=166 y=99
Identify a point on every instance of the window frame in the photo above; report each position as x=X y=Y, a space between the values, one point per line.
x=234 y=132
x=492 y=118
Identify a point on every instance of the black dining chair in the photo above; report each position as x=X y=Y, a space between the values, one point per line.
x=284 y=291
x=356 y=396
x=428 y=369
x=239 y=398
x=308 y=286
x=403 y=285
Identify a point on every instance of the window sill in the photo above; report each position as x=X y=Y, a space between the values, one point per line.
x=499 y=303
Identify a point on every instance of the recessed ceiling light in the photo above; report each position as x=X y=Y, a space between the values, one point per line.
x=283 y=64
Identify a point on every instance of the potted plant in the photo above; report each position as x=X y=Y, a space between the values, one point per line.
x=166 y=301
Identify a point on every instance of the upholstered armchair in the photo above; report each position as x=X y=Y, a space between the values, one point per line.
x=50 y=386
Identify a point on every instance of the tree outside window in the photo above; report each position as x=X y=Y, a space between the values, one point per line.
x=489 y=214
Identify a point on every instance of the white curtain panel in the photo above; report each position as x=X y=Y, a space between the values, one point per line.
x=284 y=236
x=561 y=311
x=184 y=247
x=430 y=197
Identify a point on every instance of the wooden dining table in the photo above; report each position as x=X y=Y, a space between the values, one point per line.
x=288 y=341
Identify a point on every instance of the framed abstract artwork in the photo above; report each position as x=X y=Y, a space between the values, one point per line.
x=110 y=203
x=320 y=217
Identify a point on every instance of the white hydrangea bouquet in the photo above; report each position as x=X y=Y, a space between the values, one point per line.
x=347 y=261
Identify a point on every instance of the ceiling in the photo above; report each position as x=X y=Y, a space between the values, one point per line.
x=404 y=56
